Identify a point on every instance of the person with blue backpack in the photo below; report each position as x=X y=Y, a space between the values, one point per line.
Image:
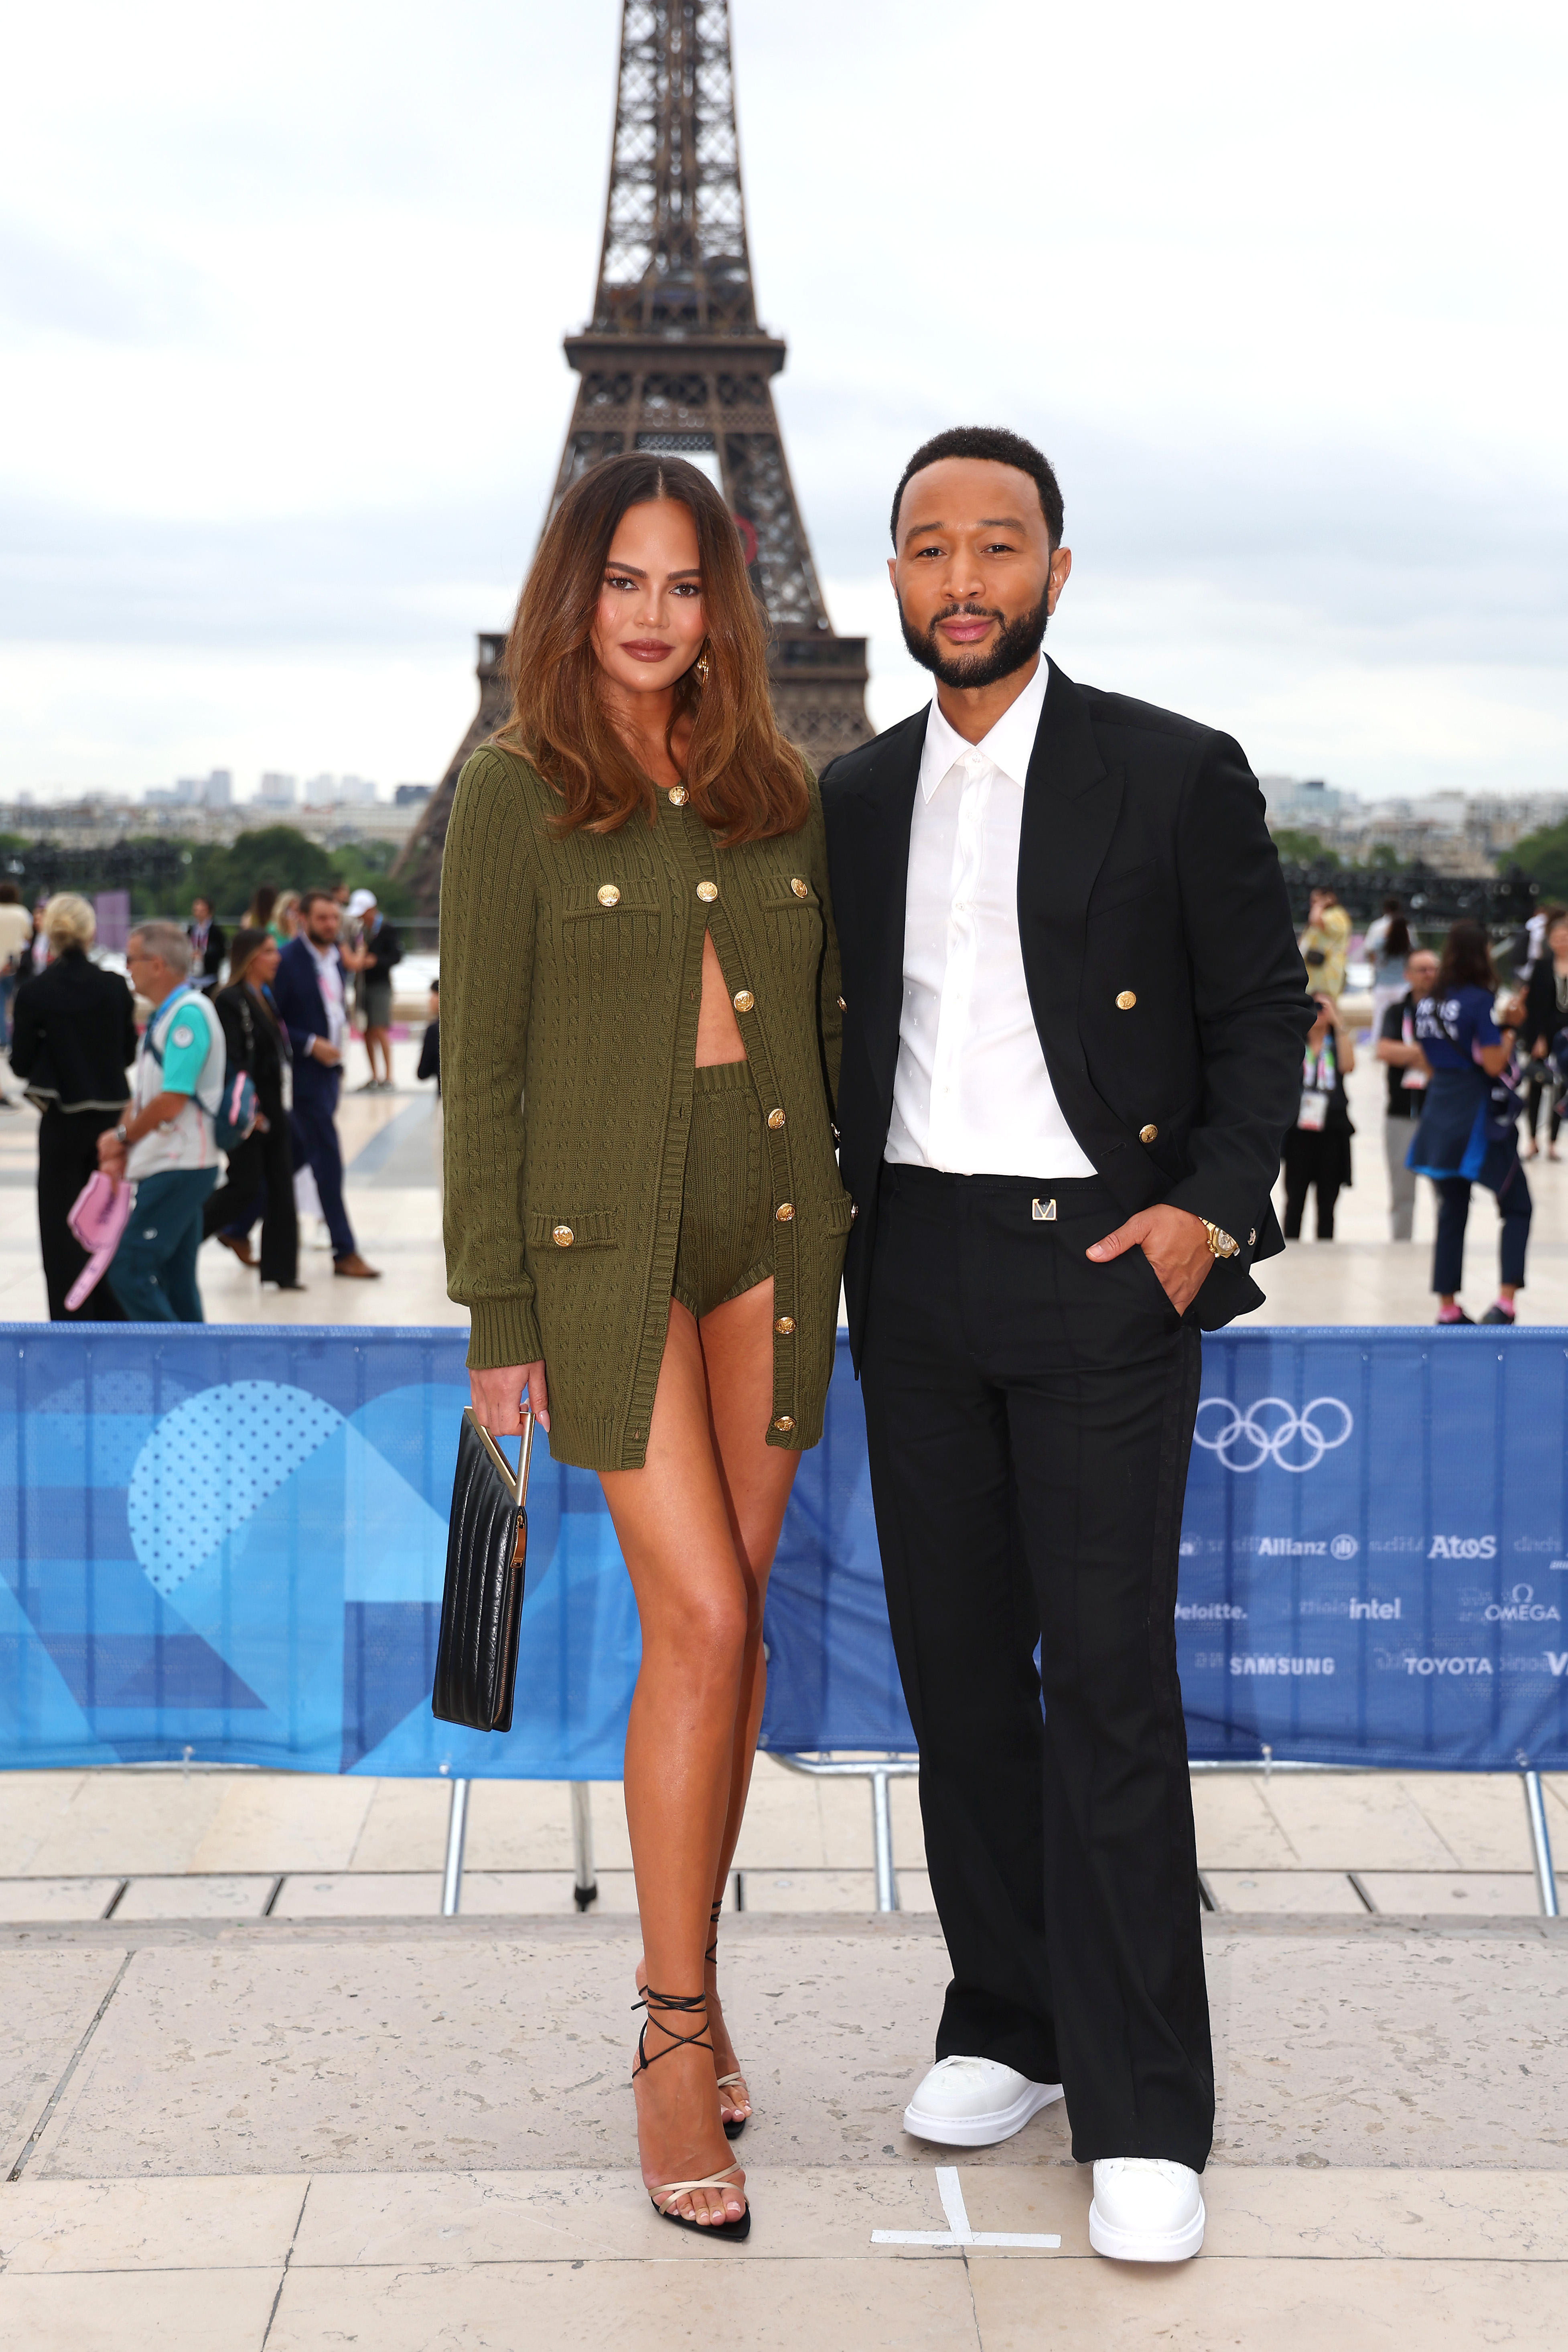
x=182 y=1116
x=1468 y=1131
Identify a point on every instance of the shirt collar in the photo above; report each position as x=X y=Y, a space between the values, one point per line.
x=1008 y=747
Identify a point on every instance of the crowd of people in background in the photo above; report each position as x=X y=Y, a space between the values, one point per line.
x=213 y=1054
x=1462 y=1062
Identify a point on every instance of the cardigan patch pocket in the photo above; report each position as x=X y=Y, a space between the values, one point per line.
x=587 y=1229
x=603 y=901
x=779 y=897
x=840 y=1214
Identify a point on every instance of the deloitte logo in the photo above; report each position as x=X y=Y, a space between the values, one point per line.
x=1273 y=1430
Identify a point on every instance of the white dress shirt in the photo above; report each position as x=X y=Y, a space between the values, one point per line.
x=330 y=979
x=972 y=1093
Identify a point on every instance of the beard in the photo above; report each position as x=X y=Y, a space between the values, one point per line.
x=1018 y=642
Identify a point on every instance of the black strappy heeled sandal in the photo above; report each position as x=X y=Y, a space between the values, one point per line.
x=733 y=2125
x=686 y=2004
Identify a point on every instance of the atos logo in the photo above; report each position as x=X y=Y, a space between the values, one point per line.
x=1463 y=1547
x=1272 y=1431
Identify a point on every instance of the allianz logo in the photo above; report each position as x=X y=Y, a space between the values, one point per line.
x=1463 y=1547
x=1293 y=1548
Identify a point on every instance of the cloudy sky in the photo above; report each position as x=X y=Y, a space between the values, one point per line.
x=282 y=290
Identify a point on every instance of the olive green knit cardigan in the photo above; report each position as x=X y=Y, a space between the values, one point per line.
x=571 y=976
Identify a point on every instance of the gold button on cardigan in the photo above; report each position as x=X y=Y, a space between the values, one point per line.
x=568 y=1032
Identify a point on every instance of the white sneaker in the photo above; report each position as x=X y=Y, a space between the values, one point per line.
x=1146 y=2210
x=976 y=2102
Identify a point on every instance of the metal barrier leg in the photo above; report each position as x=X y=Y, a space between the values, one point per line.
x=457 y=1830
x=584 y=1886
x=1540 y=1843
x=882 y=1836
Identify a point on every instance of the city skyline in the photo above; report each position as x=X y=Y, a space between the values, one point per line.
x=275 y=449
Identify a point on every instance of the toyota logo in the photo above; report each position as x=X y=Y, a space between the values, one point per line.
x=1273 y=1430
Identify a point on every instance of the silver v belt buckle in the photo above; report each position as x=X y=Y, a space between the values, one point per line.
x=1044 y=1212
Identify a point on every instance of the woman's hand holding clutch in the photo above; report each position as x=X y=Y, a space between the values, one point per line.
x=498 y=1398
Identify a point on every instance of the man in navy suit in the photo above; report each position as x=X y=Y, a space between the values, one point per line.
x=311 y=993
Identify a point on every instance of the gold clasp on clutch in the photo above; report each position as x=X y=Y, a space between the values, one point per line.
x=516 y=1480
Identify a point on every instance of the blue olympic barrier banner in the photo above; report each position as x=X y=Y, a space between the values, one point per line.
x=230 y=1541
x=1374 y=1551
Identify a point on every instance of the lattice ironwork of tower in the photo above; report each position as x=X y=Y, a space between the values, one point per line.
x=674 y=359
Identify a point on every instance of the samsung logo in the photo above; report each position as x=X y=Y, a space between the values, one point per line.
x=1278 y=1665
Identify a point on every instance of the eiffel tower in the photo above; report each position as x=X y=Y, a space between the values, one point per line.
x=675 y=359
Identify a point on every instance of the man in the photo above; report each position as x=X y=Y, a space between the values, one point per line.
x=380 y=951
x=209 y=943
x=16 y=932
x=1073 y=1028
x=1407 y=1075
x=166 y=1145
x=309 y=992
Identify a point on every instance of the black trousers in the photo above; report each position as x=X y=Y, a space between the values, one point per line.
x=260 y=1183
x=1313 y=1160
x=1029 y=1417
x=68 y=1155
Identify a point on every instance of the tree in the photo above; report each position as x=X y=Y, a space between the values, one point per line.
x=1304 y=848
x=278 y=854
x=1544 y=855
x=367 y=866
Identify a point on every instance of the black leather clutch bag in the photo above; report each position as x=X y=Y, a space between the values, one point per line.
x=487 y=1546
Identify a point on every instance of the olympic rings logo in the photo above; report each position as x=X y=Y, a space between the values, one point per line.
x=1272 y=1431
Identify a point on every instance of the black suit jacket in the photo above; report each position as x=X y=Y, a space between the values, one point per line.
x=1144 y=865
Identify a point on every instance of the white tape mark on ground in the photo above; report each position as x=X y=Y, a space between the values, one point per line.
x=958 y=2231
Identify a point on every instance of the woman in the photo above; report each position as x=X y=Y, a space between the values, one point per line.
x=637 y=946
x=260 y=1179
x=1467 y=1132
x=1386 y=945
x=1545 y=1013
x=285 y=920
x=74 y=1038
x=1318 y=1147
x=259 y=914
x=1324 y=941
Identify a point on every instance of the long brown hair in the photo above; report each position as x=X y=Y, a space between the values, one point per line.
x=246 y=943
x=1466 y=960
x=744 y=780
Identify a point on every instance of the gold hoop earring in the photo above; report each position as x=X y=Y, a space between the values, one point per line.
x=700 y=667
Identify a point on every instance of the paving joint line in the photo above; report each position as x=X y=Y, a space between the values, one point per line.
x=287 y=2259
x=60 y=2088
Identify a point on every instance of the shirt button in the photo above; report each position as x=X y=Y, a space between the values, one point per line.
x=775 y=1118
x=1126 y=1001
x=786 y=1421
x=1147 y=1134
x=562 y=1236
x=745 y=1000
x=785 y=1212
x=708 y=892
x=784 y=1323
x=609 y=896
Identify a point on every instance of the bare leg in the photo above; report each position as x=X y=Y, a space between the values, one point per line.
x=672 y=1519
x=738 y=1349
x=378 y=1045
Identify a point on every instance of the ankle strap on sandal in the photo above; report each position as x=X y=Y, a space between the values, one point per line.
x=681 y=2005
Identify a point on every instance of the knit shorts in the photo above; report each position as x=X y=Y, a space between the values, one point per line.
x=726 y=1242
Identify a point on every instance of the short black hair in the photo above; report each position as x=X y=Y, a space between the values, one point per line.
x=1002 y=448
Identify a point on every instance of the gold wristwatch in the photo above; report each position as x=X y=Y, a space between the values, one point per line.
x=1221 y=1243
